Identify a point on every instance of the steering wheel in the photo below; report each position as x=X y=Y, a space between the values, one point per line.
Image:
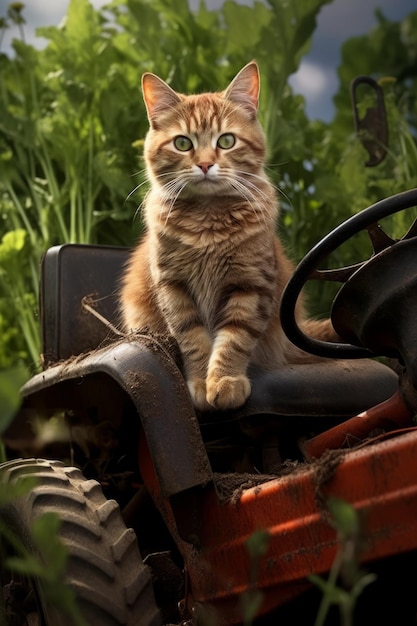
x=307 y=269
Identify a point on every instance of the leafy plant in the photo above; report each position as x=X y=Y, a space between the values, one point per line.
x=346 y=580
x=72 y=121
x=251 y=600
x=49 y=573
x=72 y=124
x=10 y=382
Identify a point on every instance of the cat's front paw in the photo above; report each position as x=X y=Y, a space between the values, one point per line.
x=197 y=389
x=228 y=392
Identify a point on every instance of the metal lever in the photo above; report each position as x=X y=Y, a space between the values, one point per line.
x=372 y=129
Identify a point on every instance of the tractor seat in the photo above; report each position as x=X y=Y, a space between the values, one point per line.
x=335 y=388
x=73 y=272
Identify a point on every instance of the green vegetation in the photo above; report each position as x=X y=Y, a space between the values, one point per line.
x=72 y=124
x=346 y=580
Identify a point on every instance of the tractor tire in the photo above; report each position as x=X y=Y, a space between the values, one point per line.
x=104 y=568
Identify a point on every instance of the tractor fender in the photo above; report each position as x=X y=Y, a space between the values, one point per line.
x=144 y=370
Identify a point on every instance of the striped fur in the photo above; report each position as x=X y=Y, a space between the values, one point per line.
x=210 y=269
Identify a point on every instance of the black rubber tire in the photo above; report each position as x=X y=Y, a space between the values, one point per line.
x=105 y=569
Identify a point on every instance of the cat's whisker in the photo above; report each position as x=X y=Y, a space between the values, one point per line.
x=258 y=208
x=259 y=177
x=270 y=166
x=178 y=180
x=173 y=173
x=140 y=207
x=171 y=191
x=283 y=194
x=249 y=196
x=242 y=175
x=251 y=185
x=245 y=187
x=241 y=185
x=170 y=188
x=276 y=187
x=134 y=190
x=138 y=173
x=138 y=210
x=171 y=206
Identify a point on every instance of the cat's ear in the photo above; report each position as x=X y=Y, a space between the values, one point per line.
x=158 y=96
x=244 y=88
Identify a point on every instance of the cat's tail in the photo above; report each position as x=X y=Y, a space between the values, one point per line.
x=320 y=329
x=316 y=329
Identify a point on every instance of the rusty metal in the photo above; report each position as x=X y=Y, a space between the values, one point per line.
x=378 y=481
x=389 y=415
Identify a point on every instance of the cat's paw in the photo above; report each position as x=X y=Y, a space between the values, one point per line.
x=228 y=392
x=197 y=389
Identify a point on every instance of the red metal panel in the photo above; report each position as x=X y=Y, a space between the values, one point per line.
x=379 y=480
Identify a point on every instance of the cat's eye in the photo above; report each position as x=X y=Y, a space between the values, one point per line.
x=226 y=141
x=183 y=144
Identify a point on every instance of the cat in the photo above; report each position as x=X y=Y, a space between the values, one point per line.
x=210 y=269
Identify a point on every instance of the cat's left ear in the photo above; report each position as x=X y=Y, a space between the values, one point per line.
x=158 y=96
x=244 y=88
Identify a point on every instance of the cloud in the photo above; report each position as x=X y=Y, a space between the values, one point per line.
x=38 y=13
x=312 y=80
x=317 y=83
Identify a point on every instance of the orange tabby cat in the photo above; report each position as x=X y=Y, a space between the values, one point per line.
x=210 y=269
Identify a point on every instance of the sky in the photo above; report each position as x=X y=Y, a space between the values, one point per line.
x=316 y=78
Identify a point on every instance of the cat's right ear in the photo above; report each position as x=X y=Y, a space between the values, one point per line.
x=158 y=96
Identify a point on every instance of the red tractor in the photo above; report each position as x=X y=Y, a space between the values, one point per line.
x=174 y=517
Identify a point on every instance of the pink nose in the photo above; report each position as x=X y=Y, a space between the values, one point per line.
x=205 y=166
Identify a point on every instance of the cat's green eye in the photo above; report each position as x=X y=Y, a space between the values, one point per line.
x=183 y=143
x=226 y=141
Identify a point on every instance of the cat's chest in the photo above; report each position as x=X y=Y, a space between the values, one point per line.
x=203 y=271
x=202 y=268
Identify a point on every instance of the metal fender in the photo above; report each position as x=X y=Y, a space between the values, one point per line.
x=138 y=369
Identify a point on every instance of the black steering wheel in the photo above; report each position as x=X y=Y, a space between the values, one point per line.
x=307 y=269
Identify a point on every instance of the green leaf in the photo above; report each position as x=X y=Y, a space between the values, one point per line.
x=345 y=517
x=27 y=565
x=237 y=17
x=333 y=594
x=11 y=381
x=81 y=24
x=258 y=543
x=45 y=533
x=11 y=491
x=250 y=602
x=11 y=244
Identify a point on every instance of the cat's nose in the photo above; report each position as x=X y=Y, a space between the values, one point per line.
x=205 y=166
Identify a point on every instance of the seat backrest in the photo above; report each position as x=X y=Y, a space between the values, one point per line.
x=69 y=274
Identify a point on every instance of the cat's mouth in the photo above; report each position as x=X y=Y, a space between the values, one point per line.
x=210 y=177
x=208 y=180
x=210 y=186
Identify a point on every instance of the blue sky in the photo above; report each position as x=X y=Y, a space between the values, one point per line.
x=316 y=78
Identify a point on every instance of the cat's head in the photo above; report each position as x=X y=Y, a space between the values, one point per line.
x=206 y=144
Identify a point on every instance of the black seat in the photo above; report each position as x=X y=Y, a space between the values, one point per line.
x=73 y=272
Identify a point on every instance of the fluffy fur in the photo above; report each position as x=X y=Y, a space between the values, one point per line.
x=210 y=269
